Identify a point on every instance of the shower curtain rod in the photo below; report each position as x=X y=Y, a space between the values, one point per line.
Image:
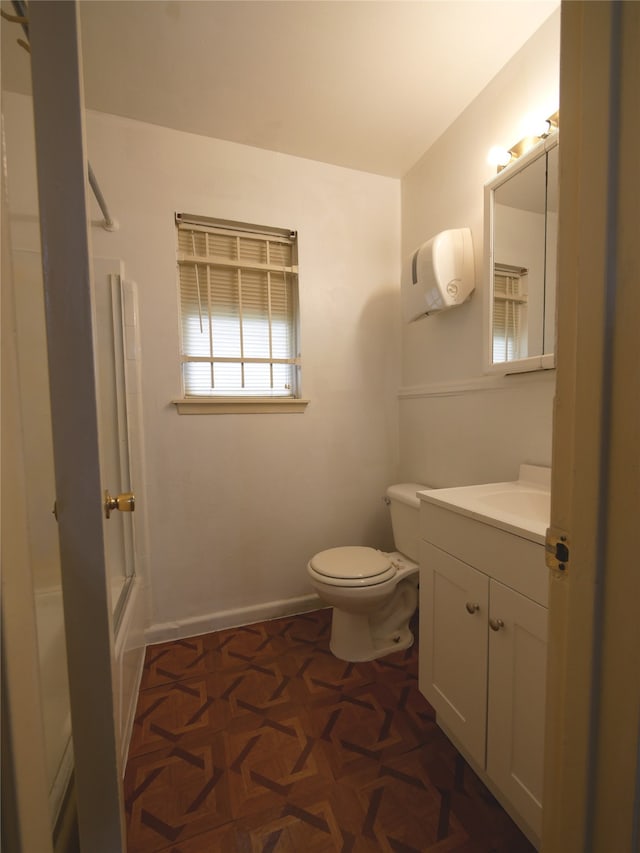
x=109 y=224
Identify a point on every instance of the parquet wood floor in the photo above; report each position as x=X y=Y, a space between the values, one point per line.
x=258 y=740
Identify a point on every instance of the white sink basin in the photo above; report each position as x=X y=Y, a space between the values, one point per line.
x=521 y=507
x=521 y=500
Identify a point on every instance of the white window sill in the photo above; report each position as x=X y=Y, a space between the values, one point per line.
x=239 y=405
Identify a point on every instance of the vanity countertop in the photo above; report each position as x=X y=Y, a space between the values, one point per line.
x=521 y=506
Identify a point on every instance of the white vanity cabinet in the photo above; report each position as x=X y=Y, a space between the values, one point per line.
x=454 y=642
x=483 y=638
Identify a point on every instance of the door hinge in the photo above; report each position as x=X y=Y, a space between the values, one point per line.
x=556 y=549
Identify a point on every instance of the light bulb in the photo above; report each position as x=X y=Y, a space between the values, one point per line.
x=498 y=156
x=533 y=125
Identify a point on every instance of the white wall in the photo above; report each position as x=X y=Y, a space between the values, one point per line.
x=456 y=426
x=238 y=503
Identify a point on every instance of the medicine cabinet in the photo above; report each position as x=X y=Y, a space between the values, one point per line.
x=521 y=226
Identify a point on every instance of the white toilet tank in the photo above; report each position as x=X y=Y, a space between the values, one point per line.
x=405 y=517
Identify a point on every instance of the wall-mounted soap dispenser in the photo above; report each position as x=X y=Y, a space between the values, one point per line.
x=439 y=274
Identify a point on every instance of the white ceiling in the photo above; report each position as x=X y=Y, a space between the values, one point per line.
x=364 y=84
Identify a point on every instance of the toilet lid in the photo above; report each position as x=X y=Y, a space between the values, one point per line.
x=353 y=563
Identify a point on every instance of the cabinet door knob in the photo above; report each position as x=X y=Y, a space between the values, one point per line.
x=472 y=607
x=496 y=624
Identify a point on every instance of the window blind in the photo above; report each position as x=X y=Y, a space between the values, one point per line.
x=238 y=305
x=509 y=317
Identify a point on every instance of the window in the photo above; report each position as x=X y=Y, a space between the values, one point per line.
x=509 y=313
x=239 y=313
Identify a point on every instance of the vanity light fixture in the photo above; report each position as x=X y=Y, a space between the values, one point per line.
x=501 y=157
x=534 y=125
x=553 y=121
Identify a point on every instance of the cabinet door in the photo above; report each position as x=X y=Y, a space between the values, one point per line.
x=453 y=646
x=517 y=676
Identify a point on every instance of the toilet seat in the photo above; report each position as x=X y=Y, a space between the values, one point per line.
x=352 y=565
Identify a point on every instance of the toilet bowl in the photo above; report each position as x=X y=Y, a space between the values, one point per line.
x=373 y=593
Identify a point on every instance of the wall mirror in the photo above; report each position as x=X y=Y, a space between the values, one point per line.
x=521 y=227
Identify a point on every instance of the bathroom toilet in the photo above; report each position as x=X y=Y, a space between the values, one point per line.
x=373 y=593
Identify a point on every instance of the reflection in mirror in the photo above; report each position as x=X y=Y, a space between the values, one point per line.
x=521 y=218
x=518 y=265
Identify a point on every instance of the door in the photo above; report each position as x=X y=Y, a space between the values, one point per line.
x=454 y=601
x=592 y=766
x=516 y=699
x=62 y=169
x=39 y=474
x=37 y=452
x=25 y=789
x=115 y=463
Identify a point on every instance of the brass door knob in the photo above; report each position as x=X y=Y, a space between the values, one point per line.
x=126 y=502
x=496 y=624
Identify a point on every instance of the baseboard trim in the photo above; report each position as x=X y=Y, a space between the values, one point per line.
x=163 y=631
